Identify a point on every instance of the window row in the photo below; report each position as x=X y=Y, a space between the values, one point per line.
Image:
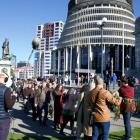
x=57 y=24
x=105 y=40
x=94 y=25
x=98 y=33
x=88 y=11
x=97 y=18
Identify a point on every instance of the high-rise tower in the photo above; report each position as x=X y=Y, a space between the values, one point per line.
x=49 y=35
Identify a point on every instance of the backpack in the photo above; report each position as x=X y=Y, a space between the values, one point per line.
x=128 y=105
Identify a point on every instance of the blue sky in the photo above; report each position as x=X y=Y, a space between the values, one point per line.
x=19 y=18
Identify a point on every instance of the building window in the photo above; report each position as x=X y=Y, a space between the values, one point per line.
x=57 y=24
x=39 y=27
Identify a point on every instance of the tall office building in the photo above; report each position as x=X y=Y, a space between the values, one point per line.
x=49 y=35
x=80 y=42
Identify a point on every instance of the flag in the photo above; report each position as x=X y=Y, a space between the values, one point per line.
x=77 y=56
x=90 y=53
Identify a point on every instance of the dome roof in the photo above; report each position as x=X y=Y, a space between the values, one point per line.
x=81 y=3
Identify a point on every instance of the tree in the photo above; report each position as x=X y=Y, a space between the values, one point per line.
x=12 y=73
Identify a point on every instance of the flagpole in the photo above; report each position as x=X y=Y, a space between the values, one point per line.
x=64 y=63
x=58 y=61
x=88 y=60
x=90 y=55
x=70 y=63
x=78 y=60
x=123 y=53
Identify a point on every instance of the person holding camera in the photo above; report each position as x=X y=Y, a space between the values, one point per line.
x=7 y=100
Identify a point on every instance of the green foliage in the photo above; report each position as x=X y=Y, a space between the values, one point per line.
x=12 y=73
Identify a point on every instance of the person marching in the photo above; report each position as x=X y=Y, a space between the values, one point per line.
x=127 y=93
x=58 y=95
x=69 y=110
x=44 y=100
x=99 y=100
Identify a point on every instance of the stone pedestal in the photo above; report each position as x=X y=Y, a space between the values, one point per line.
x=6 y=66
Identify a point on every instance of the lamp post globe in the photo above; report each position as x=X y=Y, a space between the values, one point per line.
x=104 y=19
x=99 y=23
x=35 y=43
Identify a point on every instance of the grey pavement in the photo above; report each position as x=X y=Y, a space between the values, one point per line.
x=23 y=123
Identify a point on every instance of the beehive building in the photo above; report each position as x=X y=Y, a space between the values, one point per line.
x=81 y=44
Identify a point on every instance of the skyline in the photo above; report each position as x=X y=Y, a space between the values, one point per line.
x=19 y=20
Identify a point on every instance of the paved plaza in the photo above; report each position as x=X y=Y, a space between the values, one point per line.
x=23 y=124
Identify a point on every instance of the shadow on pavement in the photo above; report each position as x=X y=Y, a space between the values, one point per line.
x=28 y=127
x=137 y=115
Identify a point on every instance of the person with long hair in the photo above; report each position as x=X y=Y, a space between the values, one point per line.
x=69 y=110
x=80 y=112
x=87 y=127
x=58 y=94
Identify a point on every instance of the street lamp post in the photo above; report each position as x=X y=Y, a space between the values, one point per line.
x=78 y=59
x=101 y=24
x=35 y=46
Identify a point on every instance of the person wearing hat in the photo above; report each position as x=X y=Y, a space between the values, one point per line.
x=7 y=101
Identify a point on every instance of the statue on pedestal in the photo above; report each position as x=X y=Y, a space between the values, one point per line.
x=5 y=47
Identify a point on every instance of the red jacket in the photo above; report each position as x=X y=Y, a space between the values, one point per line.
x=126 y=91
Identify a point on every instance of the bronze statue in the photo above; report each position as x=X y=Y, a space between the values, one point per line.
x=5 y=47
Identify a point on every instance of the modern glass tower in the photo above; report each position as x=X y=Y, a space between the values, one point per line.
x=80 y=43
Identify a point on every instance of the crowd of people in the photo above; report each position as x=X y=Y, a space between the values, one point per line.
x=89 y=105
